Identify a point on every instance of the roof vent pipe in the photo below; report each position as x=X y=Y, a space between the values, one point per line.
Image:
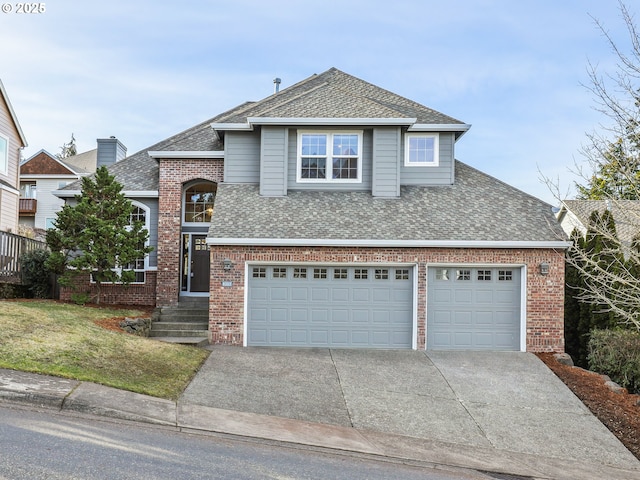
x=276 y=85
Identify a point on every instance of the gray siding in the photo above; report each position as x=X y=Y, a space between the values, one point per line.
x=367 y=160
x=242 y=157
x=386 y=162
x=152 y=203
x=440 y=175
x=273 y=161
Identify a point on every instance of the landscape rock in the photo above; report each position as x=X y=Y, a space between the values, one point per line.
x=136 y=326
x=564 y=359
x=614 y=387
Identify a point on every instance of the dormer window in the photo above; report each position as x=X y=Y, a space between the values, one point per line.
x=329 y=157
x=421 y=150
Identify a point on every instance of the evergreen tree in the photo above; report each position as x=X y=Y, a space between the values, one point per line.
x=573 y=332
x=68 y=149
x=96 y=235
x=604 y=249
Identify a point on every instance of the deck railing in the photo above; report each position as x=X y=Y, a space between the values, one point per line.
x=28 y=206
x=12 y=246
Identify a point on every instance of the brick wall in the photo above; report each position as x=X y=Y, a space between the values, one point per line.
x=174 y=173
x=544 y=302
x=133 y=294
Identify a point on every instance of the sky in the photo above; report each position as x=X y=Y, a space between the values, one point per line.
x=144 y=70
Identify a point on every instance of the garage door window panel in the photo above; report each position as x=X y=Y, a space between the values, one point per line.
x=382 y=274
x=361 y=274
x=484 y=275
x=463 y=275
x=279 y=272
x=340 y=274
x=319 y=273
x=442 y=274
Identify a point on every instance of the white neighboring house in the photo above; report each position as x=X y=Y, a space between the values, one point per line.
x=574 y=214
x=43 y=173
x=40 y=176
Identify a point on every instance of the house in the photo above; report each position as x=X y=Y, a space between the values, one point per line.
x=575 y=214
x=12 y=141
x=43 y=173
x=333 y=213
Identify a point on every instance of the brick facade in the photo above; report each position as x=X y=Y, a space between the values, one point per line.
x=174 y=174
x=133 y=294
x=544 y=294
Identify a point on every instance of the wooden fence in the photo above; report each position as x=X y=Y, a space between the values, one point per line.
x=11 y=247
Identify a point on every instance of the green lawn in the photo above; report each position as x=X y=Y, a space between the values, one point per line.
x=62 y=339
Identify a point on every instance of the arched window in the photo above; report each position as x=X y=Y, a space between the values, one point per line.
x=198 y=202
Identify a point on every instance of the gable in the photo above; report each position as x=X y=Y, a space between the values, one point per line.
x=9 y=124
x=336 y=95
x=44 y=164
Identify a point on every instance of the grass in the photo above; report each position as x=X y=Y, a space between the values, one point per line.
x=61 y=339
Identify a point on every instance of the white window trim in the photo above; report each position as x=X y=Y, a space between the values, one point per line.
x=186 y=187
x=436 y=149
x=147 y=222
x=4 y=162
x=329 y=164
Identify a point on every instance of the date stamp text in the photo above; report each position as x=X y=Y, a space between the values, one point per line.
x=24 y=8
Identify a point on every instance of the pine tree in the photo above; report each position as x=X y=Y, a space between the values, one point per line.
x=96 y=235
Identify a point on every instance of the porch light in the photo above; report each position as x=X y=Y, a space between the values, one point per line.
x=544 y=269
x=227 y=264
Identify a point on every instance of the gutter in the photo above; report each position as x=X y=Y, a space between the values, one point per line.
x=327 y=242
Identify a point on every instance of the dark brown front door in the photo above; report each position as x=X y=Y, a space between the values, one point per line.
x=199 y=264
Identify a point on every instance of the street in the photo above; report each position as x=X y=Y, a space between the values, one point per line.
x=52 y=445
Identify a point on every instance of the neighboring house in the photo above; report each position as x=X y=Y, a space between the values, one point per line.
x=12 y=141
x=575 y=214
x=333 y=214
x=43 y=173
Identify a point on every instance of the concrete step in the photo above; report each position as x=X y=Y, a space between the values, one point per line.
x=162 y=332
x=192 y=341
x=184 y=317
x=176 y=325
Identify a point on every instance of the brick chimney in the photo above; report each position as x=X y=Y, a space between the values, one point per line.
x=110 y=151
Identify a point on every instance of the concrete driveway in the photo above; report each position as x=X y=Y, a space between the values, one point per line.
x=505 y=401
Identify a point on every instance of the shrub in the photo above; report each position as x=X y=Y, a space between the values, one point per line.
x=80 y=298
x=616 y=353
x=34 y=273
x=10 y=290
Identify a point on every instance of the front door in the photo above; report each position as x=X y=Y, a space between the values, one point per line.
x=199 y=264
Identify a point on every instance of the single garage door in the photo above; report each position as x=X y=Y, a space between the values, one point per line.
x=330 y=306
x=473 y=308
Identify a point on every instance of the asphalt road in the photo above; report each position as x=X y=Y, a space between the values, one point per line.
x=51 y=445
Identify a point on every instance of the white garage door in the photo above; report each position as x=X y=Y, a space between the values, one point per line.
x=330 y=306
x=473 y=308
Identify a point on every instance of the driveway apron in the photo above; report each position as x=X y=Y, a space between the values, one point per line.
x=506 y=401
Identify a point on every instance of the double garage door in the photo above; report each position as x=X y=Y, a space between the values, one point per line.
x=330 y=306
x=373 y=307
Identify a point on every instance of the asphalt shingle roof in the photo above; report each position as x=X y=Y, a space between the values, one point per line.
x=477 y=207
x=331 y=94
x=335 y=94
x=139 y=172
x=626 y=214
